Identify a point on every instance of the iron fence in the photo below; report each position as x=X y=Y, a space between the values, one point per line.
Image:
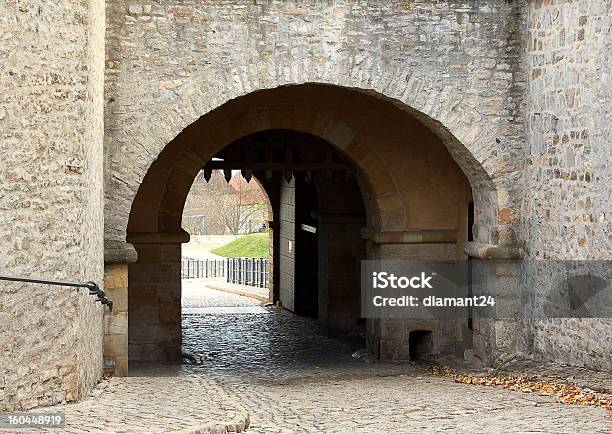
x=248 y=271
x=244 y=271
x=201 y=268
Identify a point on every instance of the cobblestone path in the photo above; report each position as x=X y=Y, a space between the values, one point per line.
x=186 y=404
x=290 y=379
x=273 y=366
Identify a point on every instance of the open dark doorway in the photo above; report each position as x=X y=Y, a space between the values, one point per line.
x=420 y=344
x=307 y=248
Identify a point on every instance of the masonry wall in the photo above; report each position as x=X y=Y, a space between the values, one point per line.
x=521 y=85
x=456 y=61
x=566 y=206
x=50 y=198
x=154 y=303
x=453 y=66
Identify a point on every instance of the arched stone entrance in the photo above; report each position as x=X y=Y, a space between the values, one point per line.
x=416 y=181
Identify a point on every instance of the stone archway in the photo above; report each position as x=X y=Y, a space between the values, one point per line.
x=321 y=110
x=416 y=181
x=461 y=129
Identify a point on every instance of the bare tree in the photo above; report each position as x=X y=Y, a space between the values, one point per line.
x=234 y=207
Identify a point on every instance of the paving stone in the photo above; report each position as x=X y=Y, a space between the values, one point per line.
x=274 y=370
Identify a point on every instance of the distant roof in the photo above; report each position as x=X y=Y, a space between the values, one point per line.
x=251 y=192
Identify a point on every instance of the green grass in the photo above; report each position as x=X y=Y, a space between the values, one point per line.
x=249 y=246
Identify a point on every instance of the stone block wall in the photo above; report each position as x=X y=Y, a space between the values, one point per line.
x=469 y=97
x=220 y=51
x=154 y=303
x=340 y=251
x=51 y=222
x=568 y=175
x=494 y=341
x=116 y=321
x=340 y=216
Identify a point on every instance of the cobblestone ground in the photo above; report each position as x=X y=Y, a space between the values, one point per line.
x=290 y=379
x=154 y=405
x=274 y=365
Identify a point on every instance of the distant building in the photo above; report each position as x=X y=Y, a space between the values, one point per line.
x=221 y=207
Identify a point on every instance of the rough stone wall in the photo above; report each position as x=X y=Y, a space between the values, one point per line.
x=464 y=64
x=566 y=206
x=51 y=222
x=457 y=62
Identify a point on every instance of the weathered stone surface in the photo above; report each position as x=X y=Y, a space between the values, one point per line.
x=220 y=51
x=167 y=404
x=116 y=321
x=51 y=76
x=568 y=174
x=119 y=252
x=517 y=92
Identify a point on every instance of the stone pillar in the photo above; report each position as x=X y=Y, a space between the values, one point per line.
x=154 y=300
x=495 y=339
x=117 y=256
x=389 y=339
x=51 y=199
x=116 y=320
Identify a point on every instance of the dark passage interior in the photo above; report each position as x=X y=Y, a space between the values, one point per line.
x=420 y=344
x=307 y=249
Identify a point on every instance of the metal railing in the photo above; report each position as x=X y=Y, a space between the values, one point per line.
x=202 y=268
x=248 y=271
x=93 y=287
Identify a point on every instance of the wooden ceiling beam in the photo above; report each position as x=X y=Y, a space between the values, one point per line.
x=235 y=165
